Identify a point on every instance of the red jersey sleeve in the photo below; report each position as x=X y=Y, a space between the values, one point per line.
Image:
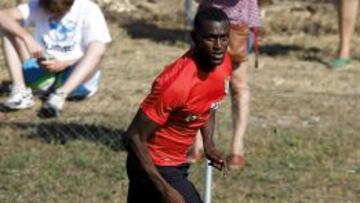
x=162 y=99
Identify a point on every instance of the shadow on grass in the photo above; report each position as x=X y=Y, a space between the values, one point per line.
x=279 y=49
x=62 y=133
x=144 y=30
x=5 y=87
x=4 y=91
x=312 y=54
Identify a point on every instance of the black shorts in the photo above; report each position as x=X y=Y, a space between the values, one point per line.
x=142 y=189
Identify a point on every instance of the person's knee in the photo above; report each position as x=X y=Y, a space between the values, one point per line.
x=17 y=40
x=238 y=84
x=12 y=40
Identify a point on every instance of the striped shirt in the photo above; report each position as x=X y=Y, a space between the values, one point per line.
x=238 y=11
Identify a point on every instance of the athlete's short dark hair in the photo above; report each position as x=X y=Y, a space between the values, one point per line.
x=209 y=14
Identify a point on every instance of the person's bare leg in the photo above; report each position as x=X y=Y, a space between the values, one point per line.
x=240 y=103
x=15 y=53
x=347 y=17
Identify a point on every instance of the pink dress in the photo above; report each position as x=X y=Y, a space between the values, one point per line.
x=239 y=11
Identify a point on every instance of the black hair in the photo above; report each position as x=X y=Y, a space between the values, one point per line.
x=56 y=6
x=209 y=14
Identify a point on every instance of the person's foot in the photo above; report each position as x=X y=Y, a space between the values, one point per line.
x=194 y=157
x=339 y=63
x=53 y=106
x=235 y=161
x=20 y=99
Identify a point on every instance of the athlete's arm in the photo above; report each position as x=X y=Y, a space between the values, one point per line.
x=9 y=25
x=136 y=136
x=211 y=153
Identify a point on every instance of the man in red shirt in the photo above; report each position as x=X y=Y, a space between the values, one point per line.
x=183 y=100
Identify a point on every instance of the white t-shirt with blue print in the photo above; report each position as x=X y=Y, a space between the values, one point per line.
x=67 y=38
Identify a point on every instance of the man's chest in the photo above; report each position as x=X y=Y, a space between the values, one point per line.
x=202 y=98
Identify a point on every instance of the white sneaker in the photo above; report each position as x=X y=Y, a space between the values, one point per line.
x=53 y=105
x=20 y=99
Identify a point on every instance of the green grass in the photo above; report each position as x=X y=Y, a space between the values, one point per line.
x=73 y=172
x=283 y=165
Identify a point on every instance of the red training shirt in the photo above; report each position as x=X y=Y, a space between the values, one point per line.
x=180 y=102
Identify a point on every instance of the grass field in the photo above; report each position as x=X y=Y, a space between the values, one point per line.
x=302 y=144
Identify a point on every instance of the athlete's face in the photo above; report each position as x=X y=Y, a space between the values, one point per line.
x=211 y=42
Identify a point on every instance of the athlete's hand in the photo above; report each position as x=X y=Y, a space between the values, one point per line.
x=54 y=66
x=34 y=48
x=216 y=159
x=173 y=196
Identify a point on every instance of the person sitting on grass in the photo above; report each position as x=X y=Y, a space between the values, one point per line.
x=62 y=56
x=183 y=100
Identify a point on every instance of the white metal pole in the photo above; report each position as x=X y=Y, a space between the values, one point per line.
x=208 y=182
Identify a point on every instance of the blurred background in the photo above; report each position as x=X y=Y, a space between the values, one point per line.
x=303 y=139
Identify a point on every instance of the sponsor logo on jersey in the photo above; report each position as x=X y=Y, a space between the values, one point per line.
x=191 y=118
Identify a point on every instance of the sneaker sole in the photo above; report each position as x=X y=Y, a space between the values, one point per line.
x=20 y=107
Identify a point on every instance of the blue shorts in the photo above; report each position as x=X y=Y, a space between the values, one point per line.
x=38 y=78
